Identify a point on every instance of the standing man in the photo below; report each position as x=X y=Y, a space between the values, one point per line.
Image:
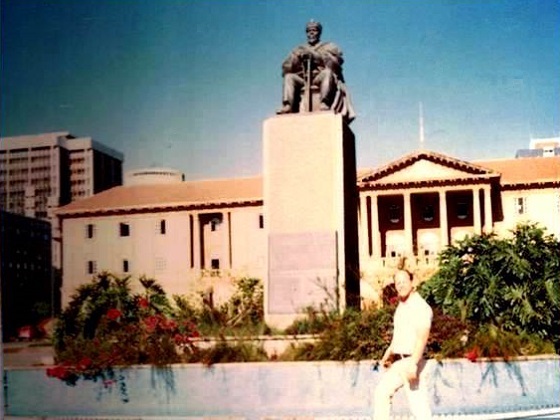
x=404 y=358
x=323 y=61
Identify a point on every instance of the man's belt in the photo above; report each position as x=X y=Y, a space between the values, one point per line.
x=399 y=356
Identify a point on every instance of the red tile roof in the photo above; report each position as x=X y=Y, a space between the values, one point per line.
x=158 y=196
x=525 y=170
x=249 y=191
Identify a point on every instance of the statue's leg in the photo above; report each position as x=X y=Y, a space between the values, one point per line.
x=327 y=87
x=291 y=93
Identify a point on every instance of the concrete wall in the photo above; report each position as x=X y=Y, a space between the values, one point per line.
x=492 y=390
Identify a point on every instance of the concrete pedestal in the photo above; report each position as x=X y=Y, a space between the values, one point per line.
x=310 y=200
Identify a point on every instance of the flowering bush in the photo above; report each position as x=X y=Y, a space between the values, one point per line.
x=106 y=325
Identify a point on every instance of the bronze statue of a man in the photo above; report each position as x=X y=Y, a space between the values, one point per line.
x=320 y=64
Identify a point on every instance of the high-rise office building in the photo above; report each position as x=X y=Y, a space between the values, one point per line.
x=41 y=172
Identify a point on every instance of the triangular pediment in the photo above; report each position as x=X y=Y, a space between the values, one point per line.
x=425 y=166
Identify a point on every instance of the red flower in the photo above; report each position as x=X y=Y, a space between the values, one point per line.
x=472 y=355
x=143 y=302
x=151 y=323
x=84 y=363
x=59 y=372
x=113 y=314
x=180 y=339
x=169 y=324
x=191 y=328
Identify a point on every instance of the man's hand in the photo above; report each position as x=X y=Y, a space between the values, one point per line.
x=305 y=53
x=411 y=371
x=386 y=360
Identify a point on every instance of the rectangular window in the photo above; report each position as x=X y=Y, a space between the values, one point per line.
x=90 y=231
x=160 y=265
x=162 y=227
x=261 y=221
x=462 y=210
x=215 y=263
x=125 y=266
x=520 y=205
x=124 y=229
x=92 y=267
x=395 y=214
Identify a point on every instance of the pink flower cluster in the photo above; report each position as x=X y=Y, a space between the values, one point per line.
x=65 y=371
x=114 y=314
x=154 y=322
x=143 y=303
x=472 y=354
x=61 y=372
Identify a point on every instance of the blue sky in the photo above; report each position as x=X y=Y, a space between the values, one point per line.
x=187 y=83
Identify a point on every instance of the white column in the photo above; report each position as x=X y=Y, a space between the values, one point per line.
x=488 y=222
x=375 y=236
x=363 y=231
x=407 y=224
x=443 y=225
x=476 y=211
x=196 y=241
x=225 y=260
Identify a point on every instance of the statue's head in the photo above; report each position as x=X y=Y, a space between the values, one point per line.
x=313 y=30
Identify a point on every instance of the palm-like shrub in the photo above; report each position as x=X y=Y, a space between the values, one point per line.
x=106 y=325
x=512 y=284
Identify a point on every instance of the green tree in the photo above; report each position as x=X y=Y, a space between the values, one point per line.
x=512 y=283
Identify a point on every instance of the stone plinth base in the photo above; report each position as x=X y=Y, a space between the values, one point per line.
x=310 y=200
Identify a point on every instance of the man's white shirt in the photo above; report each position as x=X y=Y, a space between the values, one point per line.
x=411 y=317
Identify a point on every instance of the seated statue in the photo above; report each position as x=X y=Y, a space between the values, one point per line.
x=319 y=64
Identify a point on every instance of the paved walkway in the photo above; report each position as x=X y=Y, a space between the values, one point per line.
x=27 y=354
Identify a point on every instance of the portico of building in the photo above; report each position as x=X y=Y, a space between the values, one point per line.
x=417 y=208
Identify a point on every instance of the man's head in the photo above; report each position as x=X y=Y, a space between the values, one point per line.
x=403 y=284
x=313 y=30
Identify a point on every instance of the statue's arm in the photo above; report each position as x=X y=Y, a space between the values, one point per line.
x=292 y=63
x=332 y=57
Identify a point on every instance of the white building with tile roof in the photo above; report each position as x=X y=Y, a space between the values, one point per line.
x=186 y=235
x=190 y=235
